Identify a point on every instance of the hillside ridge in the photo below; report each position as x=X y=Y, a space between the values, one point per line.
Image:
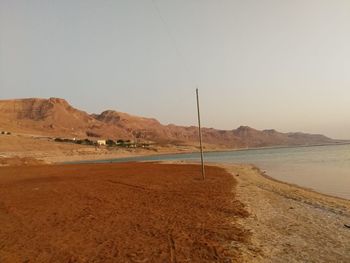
x=56 y=117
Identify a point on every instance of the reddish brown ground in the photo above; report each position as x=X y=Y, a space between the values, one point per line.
x=136 y=212
x=17 y=161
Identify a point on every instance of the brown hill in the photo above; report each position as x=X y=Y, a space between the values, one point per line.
x=55 y=117
x=51 y=117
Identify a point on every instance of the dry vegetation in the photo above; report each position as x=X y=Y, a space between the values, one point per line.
x=136 y=212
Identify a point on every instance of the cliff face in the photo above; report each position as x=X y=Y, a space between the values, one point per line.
x=55 y=117
x=51 y=117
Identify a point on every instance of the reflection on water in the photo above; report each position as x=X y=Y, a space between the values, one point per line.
x=323 y=168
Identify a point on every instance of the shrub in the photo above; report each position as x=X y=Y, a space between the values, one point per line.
x=110 y=142
x=88 y=142
x=92 y=134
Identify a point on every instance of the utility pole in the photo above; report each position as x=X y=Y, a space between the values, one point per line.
x=200 y=135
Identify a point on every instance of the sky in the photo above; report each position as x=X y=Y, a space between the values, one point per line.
x=269 y=64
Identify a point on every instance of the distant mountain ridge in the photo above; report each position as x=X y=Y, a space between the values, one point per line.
x=56 y=117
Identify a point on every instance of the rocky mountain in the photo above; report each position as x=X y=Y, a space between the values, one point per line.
x=52 y=117
x=55 y=117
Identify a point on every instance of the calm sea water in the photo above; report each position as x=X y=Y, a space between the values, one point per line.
x=325 y=169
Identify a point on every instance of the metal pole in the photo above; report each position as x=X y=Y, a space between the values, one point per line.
x=200 y=135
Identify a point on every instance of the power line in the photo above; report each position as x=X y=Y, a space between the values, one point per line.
x=187 y=68
x=174 y=42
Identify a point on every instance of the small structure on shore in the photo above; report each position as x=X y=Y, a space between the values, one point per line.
x=101 y=142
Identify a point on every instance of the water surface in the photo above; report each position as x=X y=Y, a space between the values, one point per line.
x=325 y=169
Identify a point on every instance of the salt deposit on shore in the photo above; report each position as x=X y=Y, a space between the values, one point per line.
x=289 y=223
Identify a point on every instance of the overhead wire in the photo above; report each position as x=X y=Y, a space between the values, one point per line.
x=187 y=68
x=172 y=39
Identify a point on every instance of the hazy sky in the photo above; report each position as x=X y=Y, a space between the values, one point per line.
x=267 y=64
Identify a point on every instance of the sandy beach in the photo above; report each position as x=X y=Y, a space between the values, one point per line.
x=291 y=224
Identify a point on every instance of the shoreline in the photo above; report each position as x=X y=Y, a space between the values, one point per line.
x=289 y=223
x=121 y=154
x=131 y=159
x=167 y=151
x=107 y=156
x=307 y=189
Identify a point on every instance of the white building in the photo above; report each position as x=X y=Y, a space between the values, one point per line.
x=101 y=142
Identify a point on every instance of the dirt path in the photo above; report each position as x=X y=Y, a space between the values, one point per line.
x=136 y=212
x=290 y=224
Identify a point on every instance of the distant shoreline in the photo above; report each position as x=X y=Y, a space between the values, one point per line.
x=153 y=154
x=190 y=157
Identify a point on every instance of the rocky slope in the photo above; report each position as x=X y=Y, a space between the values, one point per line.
x=52 y=117
x=55 y=117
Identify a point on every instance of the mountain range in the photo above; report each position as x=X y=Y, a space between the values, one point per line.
x=57 y=118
